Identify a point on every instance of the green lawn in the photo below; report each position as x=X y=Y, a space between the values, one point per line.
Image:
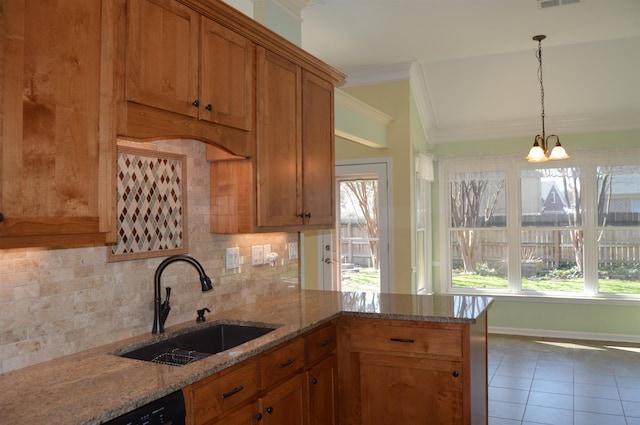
x=361 y=280
x=569 y=285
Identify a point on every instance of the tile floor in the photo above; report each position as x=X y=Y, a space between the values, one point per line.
x=563 y=382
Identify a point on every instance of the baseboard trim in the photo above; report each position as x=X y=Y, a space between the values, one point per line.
x=565 y=334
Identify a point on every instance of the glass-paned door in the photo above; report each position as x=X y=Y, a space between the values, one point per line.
x=361 y=249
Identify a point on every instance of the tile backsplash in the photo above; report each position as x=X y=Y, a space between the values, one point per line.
x=55 y=302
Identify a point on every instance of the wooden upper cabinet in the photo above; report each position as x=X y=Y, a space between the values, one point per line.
x=318 y=159
x=162 y=55
x=278 y=149
x=57 y=138
x=295 y=147
x=227 y=62
x=181 y=62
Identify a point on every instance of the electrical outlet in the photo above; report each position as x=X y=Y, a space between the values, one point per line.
x=257 y=255
x=232 y=258
x=293 y=250
x=266 y=250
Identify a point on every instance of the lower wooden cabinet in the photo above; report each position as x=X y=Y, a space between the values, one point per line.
x=361 y=372
x=294 y=383
x=285 y=403
x=246 y=415
x=403 y=372
x=407 y=390
x=322 y=390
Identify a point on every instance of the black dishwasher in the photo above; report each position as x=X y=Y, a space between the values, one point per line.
x=168 y=410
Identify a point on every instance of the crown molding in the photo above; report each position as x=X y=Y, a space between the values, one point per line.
x=422 y=97
x=358 y=106
x=570 y=124
x=364 y=75
x=292 y=7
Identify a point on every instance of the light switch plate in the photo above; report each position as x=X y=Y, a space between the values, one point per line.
x=266 y=250
x=293 y=250
x=232 y=258
x=257 y=255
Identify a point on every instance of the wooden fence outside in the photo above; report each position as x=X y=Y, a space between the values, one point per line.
x=555 y=247
x=354 y=245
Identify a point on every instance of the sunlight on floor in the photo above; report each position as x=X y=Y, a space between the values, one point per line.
x=630 y=349
x=571 y=345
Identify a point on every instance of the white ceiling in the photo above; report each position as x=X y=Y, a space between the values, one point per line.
x=478 y=64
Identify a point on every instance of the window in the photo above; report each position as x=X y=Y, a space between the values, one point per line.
x=563 y=228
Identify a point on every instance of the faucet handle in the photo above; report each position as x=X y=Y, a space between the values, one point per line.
x=201 y=317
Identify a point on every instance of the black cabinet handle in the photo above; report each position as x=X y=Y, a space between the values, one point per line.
x=456 y=374
x=196 y=103
x=308 y=215
x=287 y=363
x=209 y=107
x=314 y=381
x=1 y=217
x=407 y=340
x=269 y=410
x=325 y=342
x=259 y=416
x=301 y=215
x=236 y=390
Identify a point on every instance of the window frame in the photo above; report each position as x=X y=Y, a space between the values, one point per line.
x=512 y=165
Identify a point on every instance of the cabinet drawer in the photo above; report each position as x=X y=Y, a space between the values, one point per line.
x=282 y=363
x=320 y=343
x=218 y=394
x=406 y=339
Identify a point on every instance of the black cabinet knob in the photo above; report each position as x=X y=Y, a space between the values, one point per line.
x=196 y=103
x=209 y=107
x=1 y=217
x=314 y=381
x=308 y=215
x=456 y=373
x=269 y=410
x=259 y=416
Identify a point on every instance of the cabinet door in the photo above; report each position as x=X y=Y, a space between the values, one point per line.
x=322 y=381
x=407 y=390
x=284 y=405
x=57 y=159
x=247 y=415
x=278 y=141
x=214 y=396
x=318 y=164
x=162 y=55
x=226 y=76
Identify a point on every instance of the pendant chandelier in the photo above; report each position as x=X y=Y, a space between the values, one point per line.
x=540 y=150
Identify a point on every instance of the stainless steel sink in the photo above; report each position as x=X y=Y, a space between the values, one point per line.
x=197 y=344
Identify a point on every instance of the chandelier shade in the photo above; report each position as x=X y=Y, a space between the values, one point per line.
x=540 y=150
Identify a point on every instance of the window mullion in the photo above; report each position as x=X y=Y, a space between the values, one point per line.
x=589 y=217
x=514 y=222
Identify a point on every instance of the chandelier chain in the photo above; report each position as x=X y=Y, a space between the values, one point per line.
x=539 y=56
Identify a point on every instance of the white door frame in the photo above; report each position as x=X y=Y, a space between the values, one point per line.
x=381 y=167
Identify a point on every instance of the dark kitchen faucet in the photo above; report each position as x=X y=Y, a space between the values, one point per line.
x=161 y=309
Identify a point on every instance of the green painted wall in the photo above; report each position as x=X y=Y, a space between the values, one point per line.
x=352 y=122
x=615 y=322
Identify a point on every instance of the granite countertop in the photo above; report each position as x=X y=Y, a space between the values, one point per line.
x=93 y=386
